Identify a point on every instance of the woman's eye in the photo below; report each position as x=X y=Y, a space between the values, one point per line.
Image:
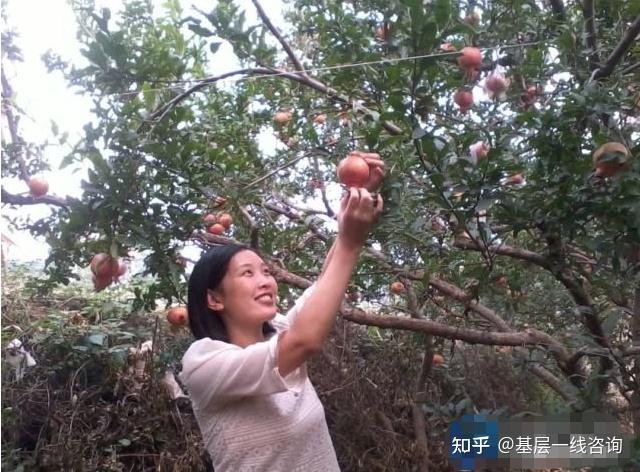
x=246 y=272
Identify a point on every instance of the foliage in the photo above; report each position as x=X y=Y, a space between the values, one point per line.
x=558 y=254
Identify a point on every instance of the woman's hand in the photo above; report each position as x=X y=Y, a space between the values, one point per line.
x=358 y=213
x=376 y=169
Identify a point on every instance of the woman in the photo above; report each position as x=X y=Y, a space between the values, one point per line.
x=246 y=374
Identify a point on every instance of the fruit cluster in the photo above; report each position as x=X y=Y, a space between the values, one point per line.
x=106 y=270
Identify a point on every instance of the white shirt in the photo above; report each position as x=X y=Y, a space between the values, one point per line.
x=252 y=418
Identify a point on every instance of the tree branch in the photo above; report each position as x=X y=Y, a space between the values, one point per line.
x=253 y=228
x=590 y=32
x=310 y=82
x=505 y=250
x=296 y=63
x=12 y=123
x=629 y=37
x=529 y=337
x=11 y=199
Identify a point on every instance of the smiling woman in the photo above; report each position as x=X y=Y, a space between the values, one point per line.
x=246 y=373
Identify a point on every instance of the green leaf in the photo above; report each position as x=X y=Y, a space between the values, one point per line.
x=215 y=46
x=99 y=163
x=148 y=96
x=125 y=442
x=201 y=31
x=442 y=11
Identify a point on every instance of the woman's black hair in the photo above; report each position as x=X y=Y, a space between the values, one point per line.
x=208 y=274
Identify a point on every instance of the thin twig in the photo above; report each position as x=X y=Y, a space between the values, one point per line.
x=296 y=62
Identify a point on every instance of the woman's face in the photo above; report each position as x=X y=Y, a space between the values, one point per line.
x=248 y=292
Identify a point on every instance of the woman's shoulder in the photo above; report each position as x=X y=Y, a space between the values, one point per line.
x=205 y=347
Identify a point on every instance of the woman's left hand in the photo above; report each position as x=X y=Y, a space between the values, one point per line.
x=377 y=169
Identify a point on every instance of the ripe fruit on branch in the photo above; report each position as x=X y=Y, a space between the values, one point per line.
x=515 y=179
x=397 y=288
x=38 y=187
x=437 y=359
x=178 y=316
x=225 y=220
x=209 y=219
x=472 y=19
x=495 y=86
x=100 y=283
x=320 y=119
x=217 y=229
x=529 y=96
x=106 y=269
x=282 y=117
x=101 y=265
x=470 y=61
x=353 y=171
x=479 y=151
x=464 y=99
x=610 y=158
x=502 y=281
x=448 y=47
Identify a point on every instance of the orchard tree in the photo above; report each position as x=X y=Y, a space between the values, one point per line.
x=510 y=134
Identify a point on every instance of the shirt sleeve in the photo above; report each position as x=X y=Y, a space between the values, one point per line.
x=216 y=371
x=293 y=312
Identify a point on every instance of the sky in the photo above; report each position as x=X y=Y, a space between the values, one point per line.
x=46 y=98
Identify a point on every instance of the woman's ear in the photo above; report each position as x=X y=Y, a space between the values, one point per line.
x=214 y=301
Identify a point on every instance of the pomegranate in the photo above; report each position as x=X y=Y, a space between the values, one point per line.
x=282 y=117
x=38 y=187
x=610 y=166
x=495 y=86
x=464 y=99
x=479 y=151
x=101 y=265
x=448 y=47
x=472 y=19
x=397 y=288
x=209 y=219
x=178 y=316
x=437 y=359
x=217 y=229
x=353 y=171
x=320 y=119
x=100 y=283
x=515 y=179
x=225 y=220
x=470 y=61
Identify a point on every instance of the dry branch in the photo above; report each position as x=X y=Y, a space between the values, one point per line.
x=12 y=199
x=629 y=37
x=276 y=33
